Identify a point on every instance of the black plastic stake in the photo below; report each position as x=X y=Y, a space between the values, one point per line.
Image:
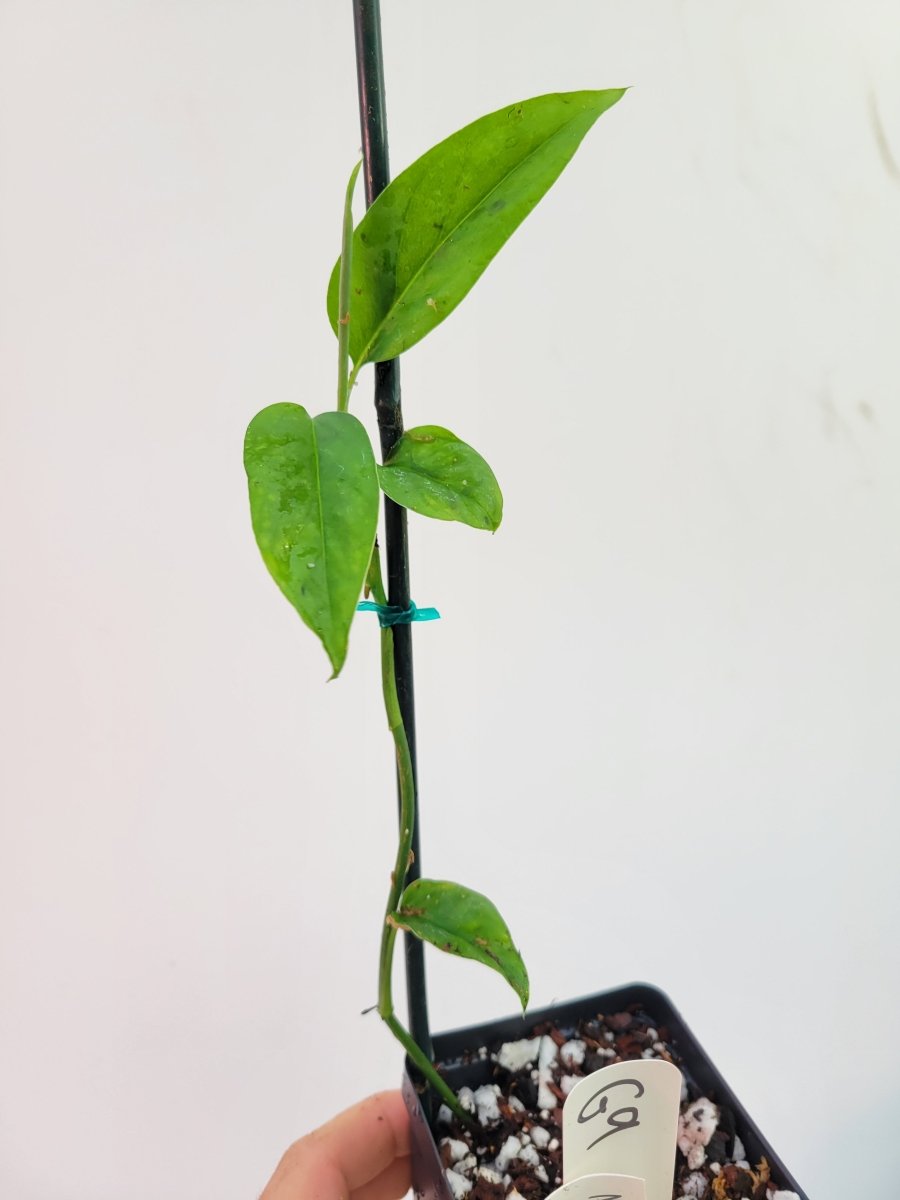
x=376 y=172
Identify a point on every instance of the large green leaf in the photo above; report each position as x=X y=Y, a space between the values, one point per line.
x=432 y=472
x=431 y=233
x=463 y=922
x=314 y=505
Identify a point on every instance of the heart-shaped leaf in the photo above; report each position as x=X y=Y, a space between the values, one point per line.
x=314 y=505
x=434 y=229
x=432 y=472
x=462 y=922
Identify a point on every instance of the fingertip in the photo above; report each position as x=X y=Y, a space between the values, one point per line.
x=390 y=1106
x=347 y=1153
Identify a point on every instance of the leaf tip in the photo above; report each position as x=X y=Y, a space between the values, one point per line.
x=337 y=658
x=523 y=987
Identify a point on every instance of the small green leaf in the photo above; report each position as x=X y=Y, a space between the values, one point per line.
x=314 y=506
x=343 y=329
x=432 y=472
x=463 y=922
x=430 y=234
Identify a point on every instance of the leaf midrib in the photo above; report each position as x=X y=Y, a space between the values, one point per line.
x=437 y=480
x=398 y=297
x=479 y=946
x=324 y=540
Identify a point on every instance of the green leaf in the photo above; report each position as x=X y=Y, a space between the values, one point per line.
x=431 y=233
x=343 y=329
x=432 y=472
x=463 y=922
x=314 y=505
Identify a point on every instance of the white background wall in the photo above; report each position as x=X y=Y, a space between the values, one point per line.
x=658 y=722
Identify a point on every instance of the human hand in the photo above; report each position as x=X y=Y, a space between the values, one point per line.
x=362 y=1154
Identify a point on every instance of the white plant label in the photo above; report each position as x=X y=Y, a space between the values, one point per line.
x=602 y=1187
x=623 y=1119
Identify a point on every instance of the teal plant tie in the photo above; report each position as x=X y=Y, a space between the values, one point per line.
x=392 y=614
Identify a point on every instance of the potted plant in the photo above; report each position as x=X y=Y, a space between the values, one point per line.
x=486 y=1122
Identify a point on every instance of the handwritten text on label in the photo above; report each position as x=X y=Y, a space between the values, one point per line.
x=618 y=1120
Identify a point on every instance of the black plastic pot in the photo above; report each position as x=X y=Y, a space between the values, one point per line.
x=450 y=1048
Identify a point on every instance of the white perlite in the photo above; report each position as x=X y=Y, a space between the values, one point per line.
x=529 y=1155
x=459 y=1186
x=696 y=1125
x=511 y=1148
x=514 y=1056
x=489 y=1175
x=739 y=1154
x=546 y=1061
x=466 y=1097
x=539 y=1136
x=547 y=1054
x=486 y=1102
x=457 y=1149
x=572 y=1053
x=694 y=1187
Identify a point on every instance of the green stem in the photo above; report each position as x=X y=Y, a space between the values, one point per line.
x=344 y=383
x=353 y=375
x=426 y=1067
x=375 y=586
